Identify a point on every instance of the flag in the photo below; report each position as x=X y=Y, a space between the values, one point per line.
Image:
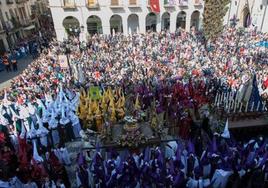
x=95 y=93
x=248 y=20
x=155 y=6
x=63 y=61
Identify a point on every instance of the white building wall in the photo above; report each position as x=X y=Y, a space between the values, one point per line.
x=22 y=19
x=258 y=11
x=105 y=12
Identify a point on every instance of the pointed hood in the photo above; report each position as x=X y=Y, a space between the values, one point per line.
x=5 y=101
x=81 y=161
x=226 y=133
x=191 y=149
x=147 y=154
x=31 y=108
x=36 y=156
x=23 y=131
x=32 y=132
x=41 y=129
x=3 y=120
x=214 y=145
x=23 y=112
x=64 y=120
x=23 y=152
x=53 y=123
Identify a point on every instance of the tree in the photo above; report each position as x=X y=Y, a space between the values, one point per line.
x=214 y=12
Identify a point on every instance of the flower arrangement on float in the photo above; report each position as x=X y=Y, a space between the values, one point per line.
x=132 y=136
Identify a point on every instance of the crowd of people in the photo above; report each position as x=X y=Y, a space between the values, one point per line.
x=163 y=78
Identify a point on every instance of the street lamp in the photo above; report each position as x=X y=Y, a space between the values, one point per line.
x=234 y=21
x=67 y=53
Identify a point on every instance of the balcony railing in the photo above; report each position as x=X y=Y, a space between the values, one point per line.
x=26 y=22
x=92 y=4
x=197 y=2
x=20 y=1
x=9 y=2
x=183 y=3
x=116 y=4
x=133 y=3
x=169 y=3
x=69 y=4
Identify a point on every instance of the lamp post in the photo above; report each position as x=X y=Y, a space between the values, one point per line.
x=233 y=21
x=67 y=53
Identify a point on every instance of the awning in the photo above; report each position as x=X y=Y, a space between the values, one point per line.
x=30 y=27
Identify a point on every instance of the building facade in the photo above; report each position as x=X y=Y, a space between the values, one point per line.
x=247 y=13
x=18 y=19
x=85 y=17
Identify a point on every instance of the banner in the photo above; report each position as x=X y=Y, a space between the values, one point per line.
x=155 y=6
x=95 y=93
x=63 y=61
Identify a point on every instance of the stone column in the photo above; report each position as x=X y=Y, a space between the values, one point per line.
x=173 y=20
x=124 y=22
x=188 y=21
x=106 y=26
x=158 y=22
x=142 y=23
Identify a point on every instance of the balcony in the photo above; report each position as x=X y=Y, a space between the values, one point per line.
x=69 y=4
x=20 y=1
x=92 y=4
x=169 y=4
x=116 y=4
x=8 y=2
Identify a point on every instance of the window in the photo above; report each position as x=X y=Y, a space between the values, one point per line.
x=132 y=2
x=69 y=3
x=92 y=3
x=114 y=2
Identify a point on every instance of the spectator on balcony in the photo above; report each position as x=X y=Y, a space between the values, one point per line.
x=14 y=62
x=6 y=62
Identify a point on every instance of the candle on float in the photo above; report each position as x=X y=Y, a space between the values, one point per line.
x=231 y=104
x=252 y=107
x=221 y=98
x=241 y=105
x=216 y=98
x=258 y=106
x=235 y=106
x=229 y=95
x=246 y=109
x=263 y=106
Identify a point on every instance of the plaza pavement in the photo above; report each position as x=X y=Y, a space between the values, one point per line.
x=6 y=77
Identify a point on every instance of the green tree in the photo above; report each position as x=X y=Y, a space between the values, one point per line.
x=214 y=12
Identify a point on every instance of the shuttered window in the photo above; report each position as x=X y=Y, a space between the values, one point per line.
x=114 y=2
x=133 y=2
x=91 y=3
